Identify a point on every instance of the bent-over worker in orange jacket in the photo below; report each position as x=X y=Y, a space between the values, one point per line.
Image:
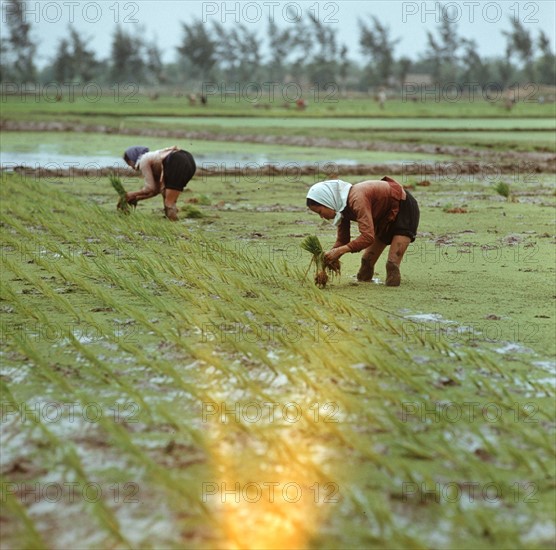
x=385 y=212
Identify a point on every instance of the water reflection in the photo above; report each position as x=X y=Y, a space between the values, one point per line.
x=10 y=159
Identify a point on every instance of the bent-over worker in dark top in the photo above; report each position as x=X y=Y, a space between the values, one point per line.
x=385 y=212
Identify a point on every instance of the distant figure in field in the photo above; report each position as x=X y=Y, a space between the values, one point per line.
x=509 y=99
x=204 y=99
x=385 y=212
x=166 y=171
x=381 y=98
x=192 y=99
x=301 y=104
x=509 y=103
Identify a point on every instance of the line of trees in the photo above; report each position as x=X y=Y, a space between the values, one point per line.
x=307 y=52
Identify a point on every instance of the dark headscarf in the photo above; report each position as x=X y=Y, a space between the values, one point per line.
x=134 y=153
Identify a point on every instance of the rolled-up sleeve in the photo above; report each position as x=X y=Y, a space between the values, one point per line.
x=361 y=208
x=343 y=235
x=366 y=233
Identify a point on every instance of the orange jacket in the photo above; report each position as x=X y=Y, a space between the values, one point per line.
x=373 y=204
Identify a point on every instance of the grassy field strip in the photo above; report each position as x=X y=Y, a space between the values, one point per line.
x=196 y=313
x=401 y=124
x=158 y=304
x=117 y=111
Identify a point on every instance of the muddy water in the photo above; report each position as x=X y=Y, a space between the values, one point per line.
x=10 y=159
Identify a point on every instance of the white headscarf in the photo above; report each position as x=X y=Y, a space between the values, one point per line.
x=332 y=194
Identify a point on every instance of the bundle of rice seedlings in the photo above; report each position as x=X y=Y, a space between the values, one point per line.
x=191 y=212
x=503 y=189
x=119 y=188
x=322 y=269
x=204 y=200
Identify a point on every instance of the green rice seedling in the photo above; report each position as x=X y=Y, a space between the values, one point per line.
x=503 y=189
x=204 y=200
x=8 y=294
x=104 y=371
x=100 y=510
x=189 y=211
x=42 y=364
x=116 y=183
x=312 y=245
x=62 y=303
x=30 y=538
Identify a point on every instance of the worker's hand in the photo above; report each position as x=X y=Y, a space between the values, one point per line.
x=332 y=255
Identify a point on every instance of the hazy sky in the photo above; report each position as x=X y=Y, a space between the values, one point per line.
x=160 y=20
